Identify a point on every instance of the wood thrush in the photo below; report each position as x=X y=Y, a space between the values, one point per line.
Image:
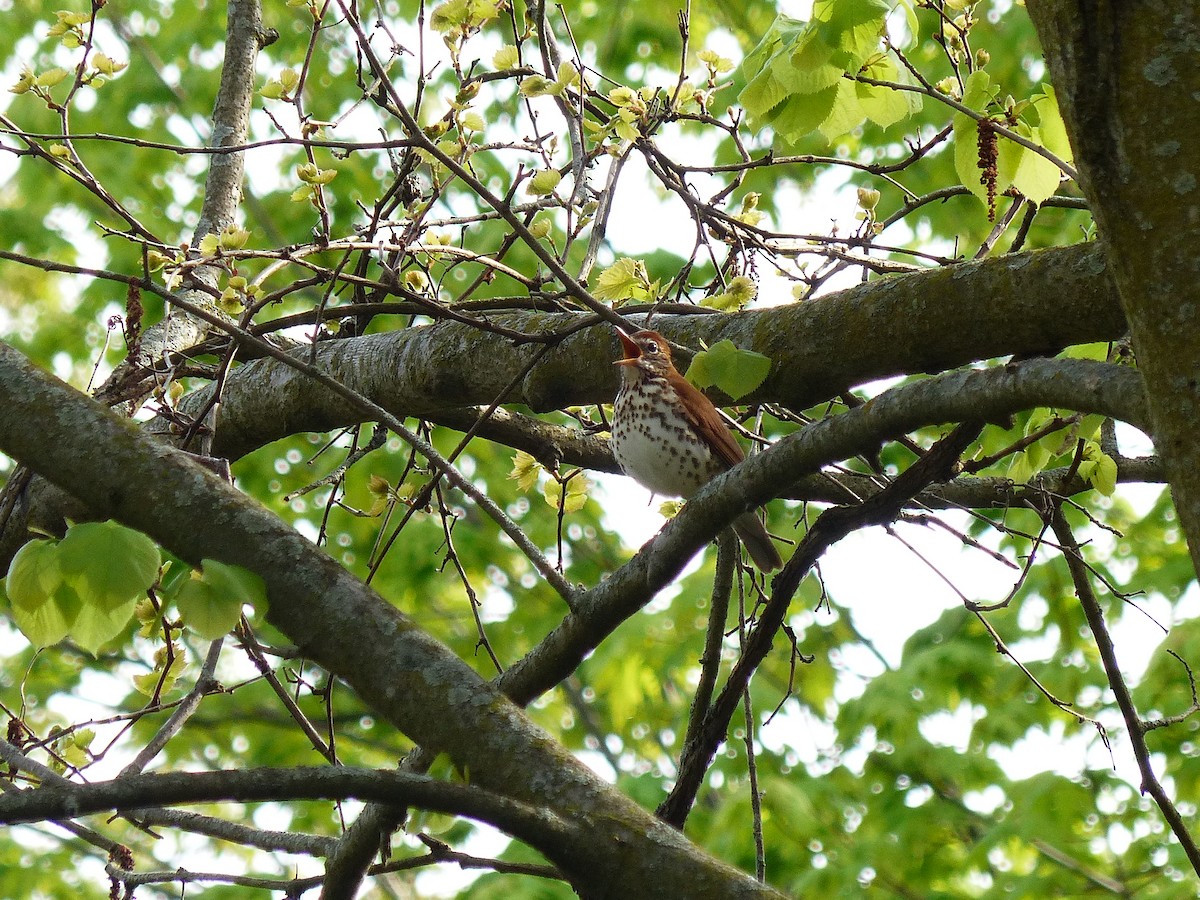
x=670 y=438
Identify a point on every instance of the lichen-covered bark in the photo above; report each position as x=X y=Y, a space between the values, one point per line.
x=929 y=322
x=1128 y=74
x=407 y=676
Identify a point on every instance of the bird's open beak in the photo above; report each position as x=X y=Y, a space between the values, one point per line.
x=632 y=351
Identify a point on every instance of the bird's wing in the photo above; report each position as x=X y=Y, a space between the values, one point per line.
x=707 y=422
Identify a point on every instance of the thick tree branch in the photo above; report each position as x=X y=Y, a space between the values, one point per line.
x=928 y=322
x=346 y=628
x=402 y=672
x=975 y=395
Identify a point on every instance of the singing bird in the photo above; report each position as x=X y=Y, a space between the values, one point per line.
x=669 y=437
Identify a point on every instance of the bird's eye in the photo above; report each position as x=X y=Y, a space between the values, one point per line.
x=651 y=347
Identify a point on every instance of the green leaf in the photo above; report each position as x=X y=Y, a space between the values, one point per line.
x=83 y=738
x=211 y=600
x=855 y=27
x=96 y=625
x=912 y=23
x=44 y=605
x=796 y=78
x=567 y=76
x=741 y=291
x=1053 y=131
x=146 y=683
x=715 y=62
x=537 y=86
x=572 y=493
x=803 y=114
x=1089 y=426
x=108 y=564
x=736 y=372
x=979 y=90
x=525 y=470
x=789 y=60
x=886 y=106
x=51 y=77
x=1021 y=468
x=209 y=244
x=86 y=586
x=1098 y=469
x=507 y=57
x=761 y=95
x=783 y=32
x=161 y=678
x=33 y=574
x=462 y=15
x=174 y=574
x=544 y=182
x=846 y=113
x=206 y=611
x=241 y=584
x=626 y=279
x=807 y=68
x=1097 y=350
x=1036 y=177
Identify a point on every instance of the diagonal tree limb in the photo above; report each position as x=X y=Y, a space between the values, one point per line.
x=1134 y=724
x=404 y=674
x=834 y=524
x=987 y=394
x=191 y=511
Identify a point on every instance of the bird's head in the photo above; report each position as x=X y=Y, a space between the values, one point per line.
x=646 y=353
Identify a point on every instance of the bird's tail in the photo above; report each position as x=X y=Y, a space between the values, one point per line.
x=757 y=541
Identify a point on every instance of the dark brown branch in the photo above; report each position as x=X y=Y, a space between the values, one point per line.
x=61 y=799
x=833 y=525
x=1116 y=681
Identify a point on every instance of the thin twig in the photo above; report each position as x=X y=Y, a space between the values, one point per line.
x=1108 y=656
x=184 y=711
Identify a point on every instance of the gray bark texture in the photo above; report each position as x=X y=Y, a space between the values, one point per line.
x=613 y=849
x=1128 y=77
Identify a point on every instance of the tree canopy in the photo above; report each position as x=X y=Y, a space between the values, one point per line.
x=321 y=577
